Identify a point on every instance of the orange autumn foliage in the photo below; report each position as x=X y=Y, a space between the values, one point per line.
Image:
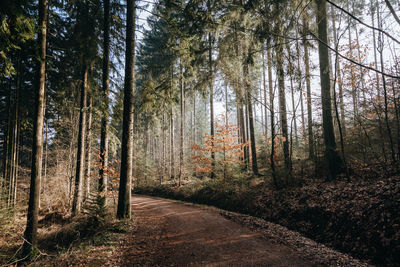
x=225 y=142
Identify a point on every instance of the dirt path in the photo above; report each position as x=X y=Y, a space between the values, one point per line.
x=176 y=234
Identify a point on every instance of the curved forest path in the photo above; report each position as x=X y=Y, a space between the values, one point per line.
x=171 y=233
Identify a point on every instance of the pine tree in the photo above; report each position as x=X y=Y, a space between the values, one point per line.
x=124 y=194
x=334 y=162
x=30 y=234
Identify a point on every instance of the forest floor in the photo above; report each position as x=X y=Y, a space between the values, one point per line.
x=357 y=216
x=172 y=233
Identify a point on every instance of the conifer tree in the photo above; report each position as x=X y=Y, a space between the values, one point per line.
x=30 y=234
x=124 y=193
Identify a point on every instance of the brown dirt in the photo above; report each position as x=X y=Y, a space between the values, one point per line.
x=177 y=234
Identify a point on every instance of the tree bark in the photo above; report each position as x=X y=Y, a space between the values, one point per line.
x=172 y=147
x=251 y=119
x=389 y=5
x=124 y=194
x=211 y=103
x=339 y=75
x=5 y=150
x=104 y=118
x=311 y=153
x=290 y=71
x=80 y=156
x=265 y=94
x=88 y=148
x=333 y=159
x=385 y=97
x=182 y=126
x=272 y=112
x=282 y=94
x=30 y=234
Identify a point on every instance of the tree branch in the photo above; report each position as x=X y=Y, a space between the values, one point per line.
x=361 y=22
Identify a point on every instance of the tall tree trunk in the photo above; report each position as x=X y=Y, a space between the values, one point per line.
x=247 y=127
x=182 y=126
x=333 y=159
x=290 y=71
x=6 y=150
x=385 y=97
x=80 y=156
x=194 y=118
x=172 y=147
x=373 y=9
x=265 y=94
x=338 y=75
x=104 y=118
x=46 y=148
x=353 y=87
x=88 y=147
x=282 y=94
x=15 y=137
x=361 y=69
x=300 y=86
x=308 y=86
x=272 y=111
x=250 y=112
x=211 y=103
x=163 y=146
x=378 y=89
x=30 y=234
x=124 y=194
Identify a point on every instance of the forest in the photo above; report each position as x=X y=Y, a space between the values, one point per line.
x=273 y=118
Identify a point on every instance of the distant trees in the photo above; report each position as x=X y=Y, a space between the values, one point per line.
x=193 y=60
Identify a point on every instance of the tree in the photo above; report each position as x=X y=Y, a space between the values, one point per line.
x=124 y=194
x=281 y=87
x=334 y=162
x=106 y=81
x=308 y=88
x=30 y=234
x=80 y=157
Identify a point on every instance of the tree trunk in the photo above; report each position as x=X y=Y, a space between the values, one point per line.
x=124 y=194
x=385 y=97
x=353 y=87
x=300 y=86
x=88 y=147
x=15 y=138
x=80 y=156
x=308 y=86
x=172 y=147
x=265 y=94
x=272 y=112
x=290 y=71
x=333 y=159
x=16 y=166
x=250 y=112
x=181 y=138
x=5 y=150
x=104 y=118
x=211 y=103
x=194 y=118
x=282 y=94
x=338 y=75
x=163 y=147
x=30 y=234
